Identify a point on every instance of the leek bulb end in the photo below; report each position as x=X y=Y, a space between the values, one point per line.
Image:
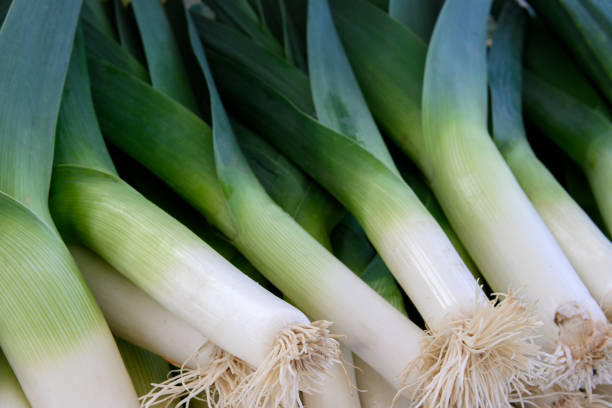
x=495 y=344
x=215 y=381
x=582 y=358
x=300 y=360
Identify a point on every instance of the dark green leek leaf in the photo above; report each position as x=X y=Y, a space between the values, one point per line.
x=295 y=52
x=388 y=60
x=572 y=125
x=338 y=100
x=381 y=4
x=178 y=143
x=545 y=57
x=586 y=28
x=100 y=46
x=32 y=74
x=418 y=15
x=274 y=69
x=324 y=154
x=93 y=12
x=128 y=30
x=79 y=141
x=505 y=78
x=4 y=6
x=232 y=168
x=161 y=50
x=229 y=12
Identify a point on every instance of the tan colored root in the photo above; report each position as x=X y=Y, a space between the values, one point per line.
x=557 y=398
x=477 y=361
x=214 y=382
x=299 y=361
x=583 y=356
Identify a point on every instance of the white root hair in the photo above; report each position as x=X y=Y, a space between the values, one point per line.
x=478 y=360
x=300 y=360
x=213 y=382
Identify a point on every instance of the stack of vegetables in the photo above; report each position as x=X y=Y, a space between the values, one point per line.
x=305 y=203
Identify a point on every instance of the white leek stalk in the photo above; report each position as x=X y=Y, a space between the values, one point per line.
x=587 y=248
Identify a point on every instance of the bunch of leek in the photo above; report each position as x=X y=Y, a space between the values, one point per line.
x=354 y=165
x=212 y=175
x=486 y=206
x=91 y=205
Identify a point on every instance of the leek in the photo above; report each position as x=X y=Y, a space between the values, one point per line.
x=490 y=212
x=356 y=167
x=487 y=208
x=11 y=394
x=588 y=250
x=584 y=133
x=94 y=207
x=51 y=330
x=301 y=197
x=269 y=238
